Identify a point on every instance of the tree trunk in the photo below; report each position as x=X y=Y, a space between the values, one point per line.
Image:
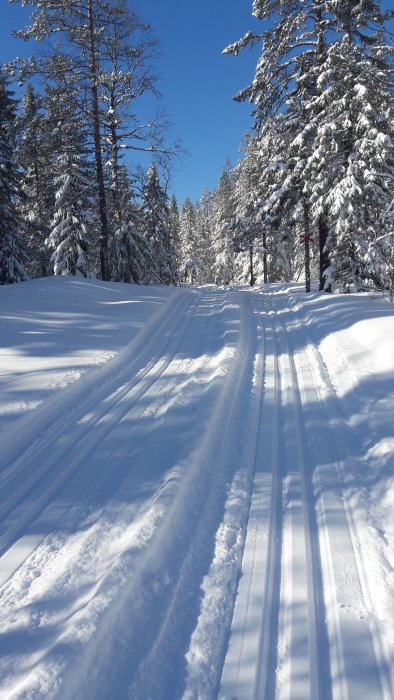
x=105 y=274
x=324 y=260
x=252 y=278
x=265 y=271
x=307 y=251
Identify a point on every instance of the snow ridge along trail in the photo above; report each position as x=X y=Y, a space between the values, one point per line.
x=177 y=524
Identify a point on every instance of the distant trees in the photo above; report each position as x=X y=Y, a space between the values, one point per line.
x=224 y=227
x=157 y=230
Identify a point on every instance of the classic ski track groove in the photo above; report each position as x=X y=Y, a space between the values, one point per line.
x=276 y=362
x=267 y=652
x=318 y=647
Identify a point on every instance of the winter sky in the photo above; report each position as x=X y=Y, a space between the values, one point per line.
x=196 y=81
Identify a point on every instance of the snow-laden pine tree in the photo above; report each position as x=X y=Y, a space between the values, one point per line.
x=189 y=263
x=156 y=223
x=353 y=162
x=126 y=49
x=223 y=227
x=69 y=237
x=247 y=198
x=36 y=182
x=12 y=254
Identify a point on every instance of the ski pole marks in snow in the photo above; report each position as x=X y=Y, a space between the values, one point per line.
x=200 y=501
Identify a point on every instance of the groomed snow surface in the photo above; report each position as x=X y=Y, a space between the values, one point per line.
x=197 y=493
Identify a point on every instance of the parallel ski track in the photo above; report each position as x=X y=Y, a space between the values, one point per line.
x=332 y=411
x=267 y=651
x=140 y=367
x=319 y=662
x=256 y=436
x=274 y=463
x=33 y=471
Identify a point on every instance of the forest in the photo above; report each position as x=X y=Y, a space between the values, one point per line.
x=310 y=198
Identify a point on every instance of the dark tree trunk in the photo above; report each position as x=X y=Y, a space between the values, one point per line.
x=307 y=251
x=265 y=271
x=324 y=259
x=105 y=274
x=252 y=277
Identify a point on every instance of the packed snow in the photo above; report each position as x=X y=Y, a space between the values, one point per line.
x=197 y=489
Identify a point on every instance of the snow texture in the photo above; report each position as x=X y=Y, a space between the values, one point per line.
x=207 y=513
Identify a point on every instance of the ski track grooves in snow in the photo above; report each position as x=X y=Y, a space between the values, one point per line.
x=316 y=682
x=282 y=623
x=304 y=643
x=347 y=582
x=257 y=609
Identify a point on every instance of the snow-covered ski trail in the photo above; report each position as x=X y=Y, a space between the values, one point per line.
x=178 y=524
x=252 y=649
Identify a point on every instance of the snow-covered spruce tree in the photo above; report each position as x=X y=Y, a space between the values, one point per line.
x=157 y=233
x=12 y=254
x=293 y=38
x=131 y=256
x=189 y=262
x=247 y=211
x=69 y=237
x=204 y=224
x=74 y=26
x=355 y=134
x=134 y=258
x=36 y=181
x=223 y=227
x=276 y=195
x=175 y=230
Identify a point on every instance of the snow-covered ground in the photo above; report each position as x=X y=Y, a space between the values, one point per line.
x=197 y=492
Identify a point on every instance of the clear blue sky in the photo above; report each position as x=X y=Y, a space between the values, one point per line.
x=197 y=82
